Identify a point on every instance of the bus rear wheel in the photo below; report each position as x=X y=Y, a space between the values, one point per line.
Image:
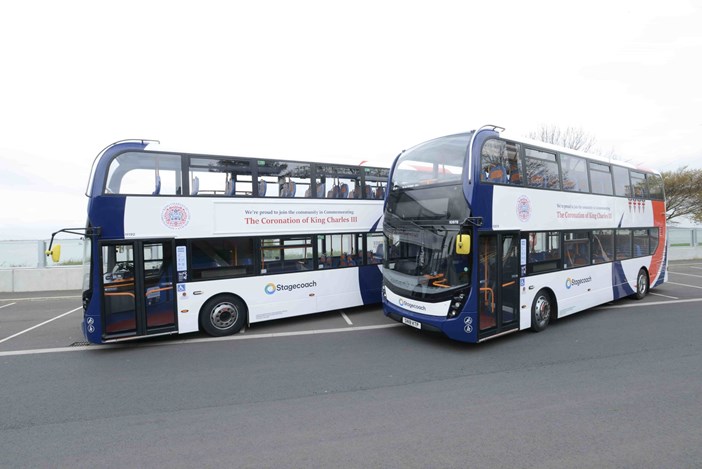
x=541 y=311
x=223 y=315
x=641 y=285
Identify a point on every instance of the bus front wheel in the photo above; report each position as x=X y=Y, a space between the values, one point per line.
x=641 y=285
x=541 y=311
x=223 y=315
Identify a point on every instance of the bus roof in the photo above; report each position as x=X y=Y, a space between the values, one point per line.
x=570 y=151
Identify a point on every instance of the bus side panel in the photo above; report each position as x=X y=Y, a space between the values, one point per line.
x=583 y=288
x=107 y=213
x=370 y=280
x=92 y=322
x=336 y=289
x=575 y=290
x=624 y=277
x=657 y=270
x=276 y=296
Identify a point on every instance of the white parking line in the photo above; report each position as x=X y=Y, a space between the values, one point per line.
x=683 y=285
x=652 y=303
x=346 y=318
x=665 y=296
x=689 y=275
x=8 y=304
x=196 y=341
x=39 y=325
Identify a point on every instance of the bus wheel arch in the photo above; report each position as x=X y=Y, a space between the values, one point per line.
x=223 y=314
x=643 y=284
x=543 y=310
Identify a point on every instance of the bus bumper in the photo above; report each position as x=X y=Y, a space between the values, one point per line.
x=462 y=328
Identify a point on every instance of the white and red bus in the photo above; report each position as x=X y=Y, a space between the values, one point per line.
x=180 y=242
x=488 y=234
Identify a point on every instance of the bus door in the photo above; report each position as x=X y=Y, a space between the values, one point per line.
x=498 y=276
x=138 y=288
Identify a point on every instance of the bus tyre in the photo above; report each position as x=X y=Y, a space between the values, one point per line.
x=223 y=315
x=541 y=311
x=641 y=285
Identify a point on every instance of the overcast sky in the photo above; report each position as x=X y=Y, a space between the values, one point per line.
x=348 y=81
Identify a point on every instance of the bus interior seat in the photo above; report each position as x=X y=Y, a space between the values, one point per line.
x=553 y=182
x=537 y=180
x=157 y=188
x=537 y=256
x=356 y=193
x=514 y=177
x=289 y=189
x=368 y=192
x=195 y=186
x=380 y=192
x=498 y=174
x=379 y=252
x=333 y=192
x=262 y=188
x=320 y=190
x=580 y=260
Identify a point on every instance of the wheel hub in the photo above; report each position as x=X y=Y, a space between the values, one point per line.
x=543 y=309
x=224 y=315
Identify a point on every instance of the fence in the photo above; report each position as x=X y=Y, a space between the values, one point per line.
x=25 y=268
x=684 y=237
x=21 y=254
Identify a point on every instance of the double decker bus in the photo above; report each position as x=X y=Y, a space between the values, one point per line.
x=180 y=242
x=487 y=234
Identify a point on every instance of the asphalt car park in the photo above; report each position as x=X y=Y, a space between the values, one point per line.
x=51 y=320
x=614 y=386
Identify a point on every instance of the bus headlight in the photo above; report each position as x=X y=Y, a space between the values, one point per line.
x=456 y=305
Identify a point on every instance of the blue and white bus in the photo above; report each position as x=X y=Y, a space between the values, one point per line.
x=488 y=234
x=180 y=242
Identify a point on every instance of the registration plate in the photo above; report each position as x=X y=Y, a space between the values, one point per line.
x=410 y=322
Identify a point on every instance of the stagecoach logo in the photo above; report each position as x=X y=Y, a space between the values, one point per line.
x=271 y=288
x=406 y=304
x=175 y=216
x=571 y=282
x=523 y=208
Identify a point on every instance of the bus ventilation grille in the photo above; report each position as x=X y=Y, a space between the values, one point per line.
x=79 y=344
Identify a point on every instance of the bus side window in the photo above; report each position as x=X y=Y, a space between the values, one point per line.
x=623 y=243
x=499 y=161
x=544 y=252
x=602 y=244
